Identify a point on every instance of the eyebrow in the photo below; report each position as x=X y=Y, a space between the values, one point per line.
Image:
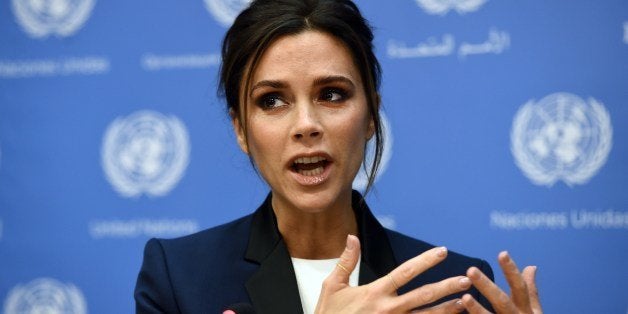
x=268 y=83
x=333 y=79
x=317 y=82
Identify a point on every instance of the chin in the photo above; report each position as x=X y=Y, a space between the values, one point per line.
x=317 y=201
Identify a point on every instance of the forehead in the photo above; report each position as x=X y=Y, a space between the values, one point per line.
x=306 y=55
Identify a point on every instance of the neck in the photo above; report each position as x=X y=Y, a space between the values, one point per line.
x=316 y=235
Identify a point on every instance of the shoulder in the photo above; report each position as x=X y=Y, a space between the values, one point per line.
x=193 y=255
x=225 y=237
x=230 y=239
x=176 y=271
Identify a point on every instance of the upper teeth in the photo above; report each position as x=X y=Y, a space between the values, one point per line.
x=309 y=160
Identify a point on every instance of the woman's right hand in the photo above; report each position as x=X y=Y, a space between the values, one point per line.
x=381 y=296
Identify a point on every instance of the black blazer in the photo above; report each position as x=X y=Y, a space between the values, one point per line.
x=246 y=261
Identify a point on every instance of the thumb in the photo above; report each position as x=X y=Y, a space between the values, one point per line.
x=338 y=279
x=346 y=264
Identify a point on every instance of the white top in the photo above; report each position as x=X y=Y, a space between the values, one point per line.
x=310 y=274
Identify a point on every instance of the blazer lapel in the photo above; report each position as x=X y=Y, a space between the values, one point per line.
x=377 y=254
x=273 y=287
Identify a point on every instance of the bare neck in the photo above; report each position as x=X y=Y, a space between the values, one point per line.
x=320 y=235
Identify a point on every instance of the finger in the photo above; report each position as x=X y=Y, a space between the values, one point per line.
x=431 y=292
x=498 y=298
x=473 y=306
x=529 y=276
x=346 y=264
x=451 y=306
x=411 y=268
x=518 y=287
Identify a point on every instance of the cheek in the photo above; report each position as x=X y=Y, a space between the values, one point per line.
x=264 y=142
x=352 y=136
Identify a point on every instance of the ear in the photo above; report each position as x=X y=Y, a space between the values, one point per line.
x=370 y=131
x=239 y=131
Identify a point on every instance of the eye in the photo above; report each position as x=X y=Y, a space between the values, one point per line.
x=333 y=95
x=270 y=101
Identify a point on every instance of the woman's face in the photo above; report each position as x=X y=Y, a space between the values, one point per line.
x=307 y=121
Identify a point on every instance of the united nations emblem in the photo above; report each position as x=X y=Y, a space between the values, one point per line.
x=45 y=295
x=561 y=137
x=361 y=179
x=225 y=11
x=145 y=152
x=40 y=18
x=442 y=7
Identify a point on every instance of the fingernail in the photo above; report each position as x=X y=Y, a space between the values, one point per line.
x=442 y=251
x=459 y=306
x=473 y=272
x=464 y=282
x=350 y=245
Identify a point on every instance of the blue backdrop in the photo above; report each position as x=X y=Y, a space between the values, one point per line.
x=506 y=124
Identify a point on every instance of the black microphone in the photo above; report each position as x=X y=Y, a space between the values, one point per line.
x=241 y=308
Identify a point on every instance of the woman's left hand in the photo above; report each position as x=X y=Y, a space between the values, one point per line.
x=523 y=298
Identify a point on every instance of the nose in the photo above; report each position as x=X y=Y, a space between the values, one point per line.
x=307 y=124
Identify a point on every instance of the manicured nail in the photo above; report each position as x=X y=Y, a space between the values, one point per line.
x=465 y=283
x=459 y=306
x=473 y=272
x=442 y=251
x=350 y=245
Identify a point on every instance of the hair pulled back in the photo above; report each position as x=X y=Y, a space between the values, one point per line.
x=264 y=21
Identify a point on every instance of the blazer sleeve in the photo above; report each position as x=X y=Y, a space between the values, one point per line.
x=153 y=290
x=488 y=271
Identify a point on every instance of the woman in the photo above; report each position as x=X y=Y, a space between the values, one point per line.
x=300 y=79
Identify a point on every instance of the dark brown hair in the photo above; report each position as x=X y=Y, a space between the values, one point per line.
x=264 y=21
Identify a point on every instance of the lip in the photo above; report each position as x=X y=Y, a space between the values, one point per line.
x=315 y=179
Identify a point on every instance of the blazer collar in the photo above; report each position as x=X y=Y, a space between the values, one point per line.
x=377 y=254
x=273 y=288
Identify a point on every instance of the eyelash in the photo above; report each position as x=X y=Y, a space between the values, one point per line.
x=269 y=101
x=264 y=101
x=343 y=94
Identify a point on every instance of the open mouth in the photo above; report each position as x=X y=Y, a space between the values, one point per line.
x=310 y=166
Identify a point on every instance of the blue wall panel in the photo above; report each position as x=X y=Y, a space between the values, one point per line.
x=507 y=123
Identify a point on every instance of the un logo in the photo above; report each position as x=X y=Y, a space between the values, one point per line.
x=45 y=295
x=225 y=11
x=442 y=7
x=561 y=137
x=40 y=18
x=145 y=152
x=361 y=179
